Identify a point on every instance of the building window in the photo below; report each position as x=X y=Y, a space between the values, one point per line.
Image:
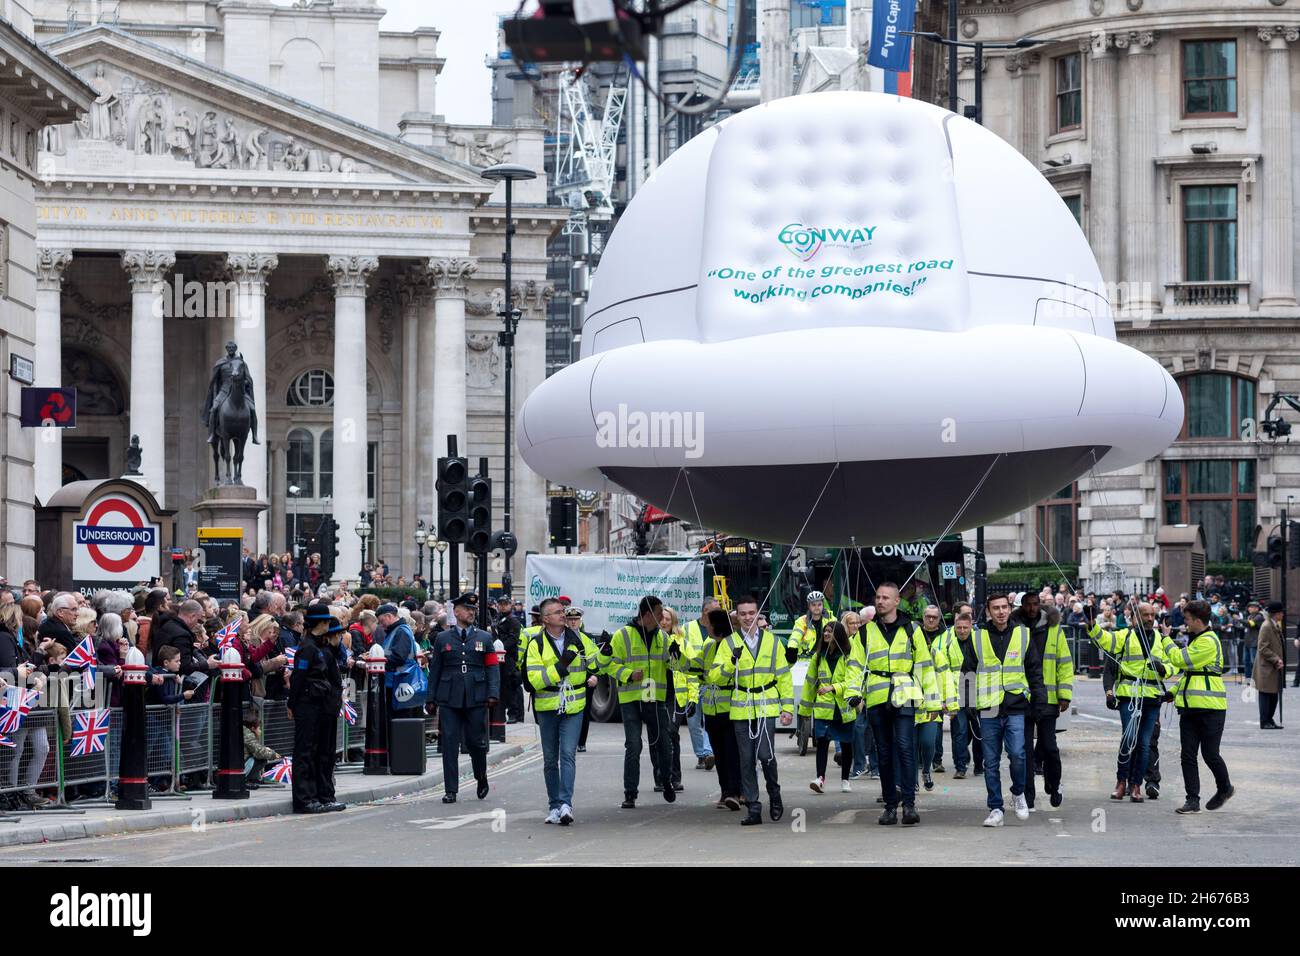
x=1069 y=92
x=1219 y=495
x=1210 y=233
x=372 y=459
x=1210 y=78
x=301 y=457
x=1217 y=405
x=1058 y=526
x=327 y=463
x=312 y=389
x=1075 y=205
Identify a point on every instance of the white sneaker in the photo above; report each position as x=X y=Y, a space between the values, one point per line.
x=994 y=819
x=818 y=785
x=1020 y=805
x=845 y=787
x=566 y=815
x=553 y=816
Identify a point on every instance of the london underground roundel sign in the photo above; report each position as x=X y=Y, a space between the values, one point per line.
x=115 y=542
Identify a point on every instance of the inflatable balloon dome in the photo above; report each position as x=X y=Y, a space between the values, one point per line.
x=847 y=318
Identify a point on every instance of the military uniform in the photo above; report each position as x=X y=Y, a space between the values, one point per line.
x=315 y=696
x=464 y=677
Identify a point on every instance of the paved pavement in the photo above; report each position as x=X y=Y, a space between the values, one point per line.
x=1258 y=826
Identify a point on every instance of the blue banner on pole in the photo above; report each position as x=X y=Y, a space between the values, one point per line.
x=890 y=49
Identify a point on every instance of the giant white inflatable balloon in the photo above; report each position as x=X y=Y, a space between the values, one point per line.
x=847 y=317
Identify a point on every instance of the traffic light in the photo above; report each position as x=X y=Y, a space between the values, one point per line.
x=1293 y=544
x=327 y=535
x=453 y=500
x=564 y=522
x=480 y=514
x=1275 y=552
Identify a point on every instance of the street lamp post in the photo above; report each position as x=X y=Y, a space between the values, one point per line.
x=509 y=173
x=979 y=46
x=294 y=492
x=363 y=530
x=420 y=537
x=441 y=547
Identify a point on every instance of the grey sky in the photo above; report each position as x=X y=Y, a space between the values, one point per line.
x=469 y=33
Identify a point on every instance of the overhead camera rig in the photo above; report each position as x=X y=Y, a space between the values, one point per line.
x=584 y=31
x=1275 y=428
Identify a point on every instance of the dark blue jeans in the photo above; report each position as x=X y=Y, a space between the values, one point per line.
x=894 y=730
x=1134 y=755
x=864 y=749
x=995 y=732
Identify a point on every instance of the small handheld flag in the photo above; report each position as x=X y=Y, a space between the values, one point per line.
x=89 y=731
x=281 y=772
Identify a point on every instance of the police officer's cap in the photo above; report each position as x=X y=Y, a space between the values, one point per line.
x=503 y=598
x=386 y=608
x=573 y=613
x=320 y=611
x=468 y=599
x=335 y=627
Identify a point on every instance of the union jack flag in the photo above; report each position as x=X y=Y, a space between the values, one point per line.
x=89 y=731
x=226 y=636
x=290 y=654
x=348 y=712
x=281 y=772
x=13 y=715
x=82 y=658
x=6 y=742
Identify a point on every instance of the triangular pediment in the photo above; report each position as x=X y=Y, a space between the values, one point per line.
x=162 y=113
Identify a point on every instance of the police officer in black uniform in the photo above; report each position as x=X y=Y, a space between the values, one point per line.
x=507 y=628
x=315 y=695
x=465 y=681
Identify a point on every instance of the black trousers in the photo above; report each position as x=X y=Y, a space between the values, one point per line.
x=1201 y=731
x=1152 y=777
x=653 y=716
x=846 y=757
x=586 y=718
x=1042 y=729
x=315 y=726
x=463 y=727
x=726 y=758
x=1267 y=707
x=675 y=745
x=512 y=692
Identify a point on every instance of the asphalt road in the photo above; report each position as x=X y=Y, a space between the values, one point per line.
x=1259 y=826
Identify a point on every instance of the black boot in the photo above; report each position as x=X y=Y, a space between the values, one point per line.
x=888 y=817
x=776 y=809
x=629 y=801
x=927 y=779
x=910 y=816
x=754 y=817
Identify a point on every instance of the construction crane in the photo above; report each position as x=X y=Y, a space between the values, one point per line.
x=585 y=173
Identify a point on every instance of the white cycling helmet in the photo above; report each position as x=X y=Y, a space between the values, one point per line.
x=816 y=596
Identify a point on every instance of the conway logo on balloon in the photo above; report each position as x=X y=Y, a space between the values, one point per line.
x=804 y=242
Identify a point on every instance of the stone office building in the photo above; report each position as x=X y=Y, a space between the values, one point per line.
x=1168 y=128
x=289 y=160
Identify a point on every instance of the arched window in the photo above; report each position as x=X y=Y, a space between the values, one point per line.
x=312 y=389
x=301 y=465
x=327 y=463
x=1217 y=404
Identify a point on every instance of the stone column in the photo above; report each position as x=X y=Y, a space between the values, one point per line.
x=1103 y=140
x=428 y=445
x=50 y=264
x=408 y=298
x=1139 y=175
x=532 y=298
x=251 y=270
x=1278 y=288
x=774 y=57
x=447 y=351
x=350 y=405
x=1025 y=125
x=146 y=269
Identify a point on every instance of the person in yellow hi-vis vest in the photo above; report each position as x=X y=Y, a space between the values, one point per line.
x=638 y=662
x=754 y=664
x=832 y=691
x=696 y=634
x=715 y=701
x=900 y=681
x=556 y=663
x=807 y=629
x=1202 y=701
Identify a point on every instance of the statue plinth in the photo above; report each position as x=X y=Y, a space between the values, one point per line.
x=232 y=506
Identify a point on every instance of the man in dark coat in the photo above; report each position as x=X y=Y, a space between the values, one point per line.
x=315 y=695
x=57 y=625
x=465 y=682
x=1270 y=667
x=507 y=628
